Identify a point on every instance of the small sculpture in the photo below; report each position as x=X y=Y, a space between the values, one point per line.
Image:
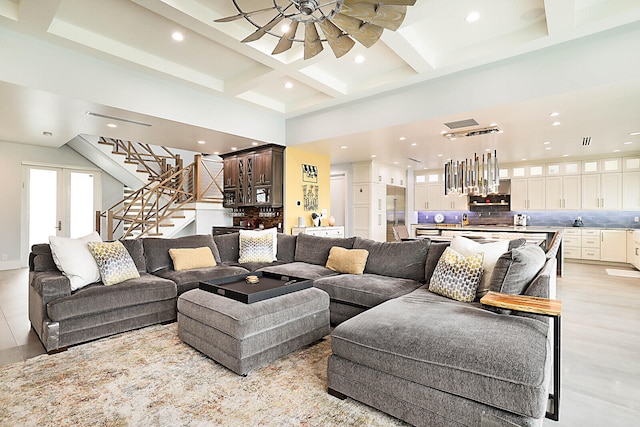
x=316 y=219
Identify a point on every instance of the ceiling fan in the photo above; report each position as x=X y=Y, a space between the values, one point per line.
x=340 y=21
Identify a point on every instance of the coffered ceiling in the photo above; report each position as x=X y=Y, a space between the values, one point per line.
x=519 y=62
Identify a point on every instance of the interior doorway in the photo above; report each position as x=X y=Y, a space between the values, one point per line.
x=339 y=199
x=61 y=202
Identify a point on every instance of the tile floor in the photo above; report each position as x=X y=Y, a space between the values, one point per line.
x=600 y=343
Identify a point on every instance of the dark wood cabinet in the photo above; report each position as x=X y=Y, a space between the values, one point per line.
x=254 y=177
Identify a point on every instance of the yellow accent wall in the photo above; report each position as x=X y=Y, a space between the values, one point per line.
x=293 y=186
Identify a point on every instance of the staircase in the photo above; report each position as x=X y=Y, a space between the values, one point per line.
x=165 y=200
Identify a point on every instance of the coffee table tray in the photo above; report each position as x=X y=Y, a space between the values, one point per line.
x=270 y=285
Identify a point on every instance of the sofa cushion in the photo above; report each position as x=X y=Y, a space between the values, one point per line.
x=491 y=251
x=315 y=250
x=366 y=290
x=457 y=348
x=436 y=249
x=190 y=258
x=257 y=246
x=156 y=250
x=302 y=270
x=73 y=258
x=228 y=246
x=114 y=262
x=395 y=259
x=136 y=250
x=286 y=247
x=254 y=266
x=190 y=279
x=98 y=298
x=516 y=268
x=457 y=276
x=347 y=261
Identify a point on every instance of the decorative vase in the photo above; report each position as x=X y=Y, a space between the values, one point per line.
x=316 y=221
x=331 y=221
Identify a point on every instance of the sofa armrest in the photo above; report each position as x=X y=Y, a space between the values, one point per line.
x=50 y=285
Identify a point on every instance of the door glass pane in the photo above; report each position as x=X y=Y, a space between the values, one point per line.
x=43 y=195
x=81 y=213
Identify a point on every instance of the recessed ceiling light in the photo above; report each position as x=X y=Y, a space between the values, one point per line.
x=402 y=138
x=202 y=142
x=254 y=143
x=565 y=155
x=343 y=146
x=634 y=133
x=472 y=17
x=47 y=133
x=234 y=148
x=628 y=142
x=547 y=142
x=554 y=114
x=439 y=155
x=373 y=156
x=177 y=36
x=413 y=144
x=359 y=59
x=442 y=132
x=395 y=163
x=288 y=85
x=408 y=166
x=555 y=123
x=493 y=124
x=547 y=148
x=112 y=125
x=216 y=152
x=524 y=159
x=487 y=149
x=616 y=151
x=425 y=168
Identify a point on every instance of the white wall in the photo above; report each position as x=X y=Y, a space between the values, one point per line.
x=347 y=170
x=12 y=212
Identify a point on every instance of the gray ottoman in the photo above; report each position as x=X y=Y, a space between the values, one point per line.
x=242 y=336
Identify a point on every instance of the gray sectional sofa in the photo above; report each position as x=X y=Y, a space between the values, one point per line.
x=398 y=347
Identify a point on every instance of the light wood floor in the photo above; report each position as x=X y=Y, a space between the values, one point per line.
x=600 y=343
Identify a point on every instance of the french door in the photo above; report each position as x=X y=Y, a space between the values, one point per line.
x=61 y=202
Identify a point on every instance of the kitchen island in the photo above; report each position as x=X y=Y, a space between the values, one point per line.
x=533 y=234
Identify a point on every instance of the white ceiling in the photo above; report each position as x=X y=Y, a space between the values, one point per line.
x=522 y=60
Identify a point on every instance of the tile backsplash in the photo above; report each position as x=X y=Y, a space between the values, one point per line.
x=597 y=219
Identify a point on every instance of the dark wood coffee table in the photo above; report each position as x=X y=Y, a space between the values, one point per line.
x=270 y=285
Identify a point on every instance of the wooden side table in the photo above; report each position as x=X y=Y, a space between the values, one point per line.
x=544 y=307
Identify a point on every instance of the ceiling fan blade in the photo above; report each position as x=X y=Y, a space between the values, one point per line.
x=367 y=34
x=339 y=42
x=312 y=43
x=263 y=30
x=243 y=15
x=385 y=2
x=286 y=41
x=389 y=17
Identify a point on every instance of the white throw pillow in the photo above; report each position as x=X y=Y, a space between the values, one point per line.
x=73 y=258
x=491 y=251
x=258 y=245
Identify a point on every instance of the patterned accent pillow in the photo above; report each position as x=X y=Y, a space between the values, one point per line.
x=457 y=277
x=257 y=246
x=190 y=258
x=114 y=262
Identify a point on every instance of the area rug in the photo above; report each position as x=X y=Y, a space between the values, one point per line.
x=623 y=273
x=149 y=377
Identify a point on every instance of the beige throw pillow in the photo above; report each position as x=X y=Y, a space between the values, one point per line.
x=190 y=258
x=347 y=261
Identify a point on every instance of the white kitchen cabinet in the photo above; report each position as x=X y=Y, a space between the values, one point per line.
x=453 y=202
x=369 y=209
x=602 y=166
x=630 y=247
x=631 y=191
x=429 y=197
x=572 y=243
x=602 y=191
x=527 y=193
x=613 y=245
x=563 y=192
x=636 y=249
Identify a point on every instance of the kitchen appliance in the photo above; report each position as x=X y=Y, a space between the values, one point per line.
x=578 y=222
x=520 y=220
x=395 y=209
